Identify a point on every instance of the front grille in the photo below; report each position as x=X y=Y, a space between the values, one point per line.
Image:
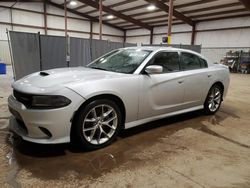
x=24 y=98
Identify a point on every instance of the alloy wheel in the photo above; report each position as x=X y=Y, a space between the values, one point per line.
x=100 y=124
x=214 y=99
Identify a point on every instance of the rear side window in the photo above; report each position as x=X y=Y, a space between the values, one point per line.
x=168 y=60
x=190 y=61
x=203 y=63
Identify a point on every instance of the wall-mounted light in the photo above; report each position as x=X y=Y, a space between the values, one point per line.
x=151 y=7
x=110 y=17
x=72 y=3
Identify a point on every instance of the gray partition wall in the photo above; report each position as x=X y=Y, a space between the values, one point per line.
x=53 y=52
x=25 y=50
x=101 y=47
x=33 y=52
x=98 y=48
x=80 y=53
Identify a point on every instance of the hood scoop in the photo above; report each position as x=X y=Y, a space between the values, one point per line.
x=44 y=74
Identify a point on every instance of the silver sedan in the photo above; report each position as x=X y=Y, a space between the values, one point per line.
x=122 y=89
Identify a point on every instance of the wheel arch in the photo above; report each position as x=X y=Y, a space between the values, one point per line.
x=112 y=97
x=221 y=85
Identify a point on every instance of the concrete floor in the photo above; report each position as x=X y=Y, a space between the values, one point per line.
x=190 y=150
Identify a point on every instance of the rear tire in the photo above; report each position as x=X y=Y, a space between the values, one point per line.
x=97 y=124
x=213 y=100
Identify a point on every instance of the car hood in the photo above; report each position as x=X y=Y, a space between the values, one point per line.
x=54 y=79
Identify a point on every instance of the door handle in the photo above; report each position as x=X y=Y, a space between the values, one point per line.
x=209 y=75
x=181 y=81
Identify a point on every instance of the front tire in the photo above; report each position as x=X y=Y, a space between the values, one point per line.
x=97 y=124
x=213 y=100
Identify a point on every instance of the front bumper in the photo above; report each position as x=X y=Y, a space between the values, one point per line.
x=48 y=126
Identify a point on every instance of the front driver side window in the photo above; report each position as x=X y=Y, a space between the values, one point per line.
x=168 y=60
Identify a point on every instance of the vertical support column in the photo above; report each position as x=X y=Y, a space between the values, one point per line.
x=170 y=17
x=45 y=16
x=11 y=19
x=151 y=35
x=40 y=51
x=65 y=18
x=100 y=19
x=11 y=16
x=91 y=30
x=193 y=34
x=124 y=36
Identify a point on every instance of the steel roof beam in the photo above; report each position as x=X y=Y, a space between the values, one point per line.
x=176 y=14
x=116 y=13
x=246 y=3
x=83 y=15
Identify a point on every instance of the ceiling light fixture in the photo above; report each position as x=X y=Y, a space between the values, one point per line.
x=110 y=17
x=151 y=7
x=73 y=3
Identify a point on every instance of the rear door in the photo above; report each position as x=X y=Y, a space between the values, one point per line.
x=196 y=79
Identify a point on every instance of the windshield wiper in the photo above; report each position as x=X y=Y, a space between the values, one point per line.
x=99 y=68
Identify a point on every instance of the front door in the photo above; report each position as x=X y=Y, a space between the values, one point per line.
x=161 y=93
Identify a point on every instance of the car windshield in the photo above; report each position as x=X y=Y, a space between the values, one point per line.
x=122 y=60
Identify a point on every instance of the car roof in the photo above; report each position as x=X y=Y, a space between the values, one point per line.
x=168 y=48
x=159 y=48
x=156 y=49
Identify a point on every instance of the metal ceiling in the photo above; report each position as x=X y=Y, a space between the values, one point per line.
x=130 y=14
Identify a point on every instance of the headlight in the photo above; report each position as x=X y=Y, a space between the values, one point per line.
x=46 y=101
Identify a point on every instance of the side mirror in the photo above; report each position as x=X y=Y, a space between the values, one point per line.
x=154 y=69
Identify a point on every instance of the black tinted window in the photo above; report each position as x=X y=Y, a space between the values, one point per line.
x=168 y=60
x=190 y=61
x=203 y=63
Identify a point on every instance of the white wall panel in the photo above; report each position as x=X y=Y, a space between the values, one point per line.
x=181 y=38
x=113 y=39
x=175 y=28
x=55 y=22
x=107 y=29
x=4 y=52
x=137 y=32
x=78 y=25
x=53 y=10
x=27 y=18
x=138 y=40
x=226 y=38
x=28 y=30
x=56 y=33
x=30 y=6
x=3 y=35
x=226 y=23
x=4 y=15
